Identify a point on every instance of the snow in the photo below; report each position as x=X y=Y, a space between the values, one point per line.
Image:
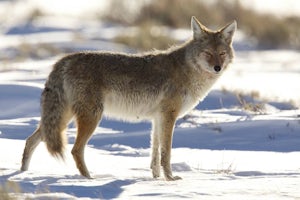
x=277 y=7
x=220 y=149
x=277 y=78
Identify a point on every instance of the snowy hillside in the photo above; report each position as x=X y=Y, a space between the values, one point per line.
x=241 y=142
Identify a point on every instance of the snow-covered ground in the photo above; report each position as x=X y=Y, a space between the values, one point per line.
x=220 y=149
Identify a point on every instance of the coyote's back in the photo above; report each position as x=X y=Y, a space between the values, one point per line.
x=159 y=87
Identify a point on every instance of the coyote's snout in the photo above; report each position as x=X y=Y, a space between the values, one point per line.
x=158 y=86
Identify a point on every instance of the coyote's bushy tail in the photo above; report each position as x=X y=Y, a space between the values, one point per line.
x=54 y=110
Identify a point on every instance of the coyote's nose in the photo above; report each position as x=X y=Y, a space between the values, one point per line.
x=217 y=68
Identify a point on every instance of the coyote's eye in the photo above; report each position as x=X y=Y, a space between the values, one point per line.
x=207 y=54
x=222 y=53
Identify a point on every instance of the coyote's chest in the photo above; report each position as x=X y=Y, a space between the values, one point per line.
x=196 y=93
x=188 y=103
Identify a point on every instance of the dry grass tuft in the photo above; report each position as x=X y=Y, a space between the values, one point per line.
x=7 y=190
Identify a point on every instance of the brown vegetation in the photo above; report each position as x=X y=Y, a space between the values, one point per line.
x=270 y=31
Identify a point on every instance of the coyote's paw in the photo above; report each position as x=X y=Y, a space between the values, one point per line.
x=155 y=171
x=155 y=174
x=155 y=168
x=172 y=178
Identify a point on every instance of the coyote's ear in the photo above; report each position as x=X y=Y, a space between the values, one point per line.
x=198 y=29
x=228 y=31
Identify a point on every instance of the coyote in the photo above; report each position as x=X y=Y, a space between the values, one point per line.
x=159 y=86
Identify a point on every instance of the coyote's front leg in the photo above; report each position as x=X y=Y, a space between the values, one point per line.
x=166 y=136
x=155 y=157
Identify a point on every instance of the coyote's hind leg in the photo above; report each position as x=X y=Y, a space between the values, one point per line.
x=86 y=124
x=31 y=143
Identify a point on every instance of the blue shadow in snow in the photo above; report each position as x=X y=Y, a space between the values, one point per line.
x=109 y=190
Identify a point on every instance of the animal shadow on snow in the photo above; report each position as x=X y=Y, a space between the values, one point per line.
x=103 y=188
x=256 y=174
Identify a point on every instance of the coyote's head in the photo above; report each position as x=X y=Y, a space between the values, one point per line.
x=211 y=50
